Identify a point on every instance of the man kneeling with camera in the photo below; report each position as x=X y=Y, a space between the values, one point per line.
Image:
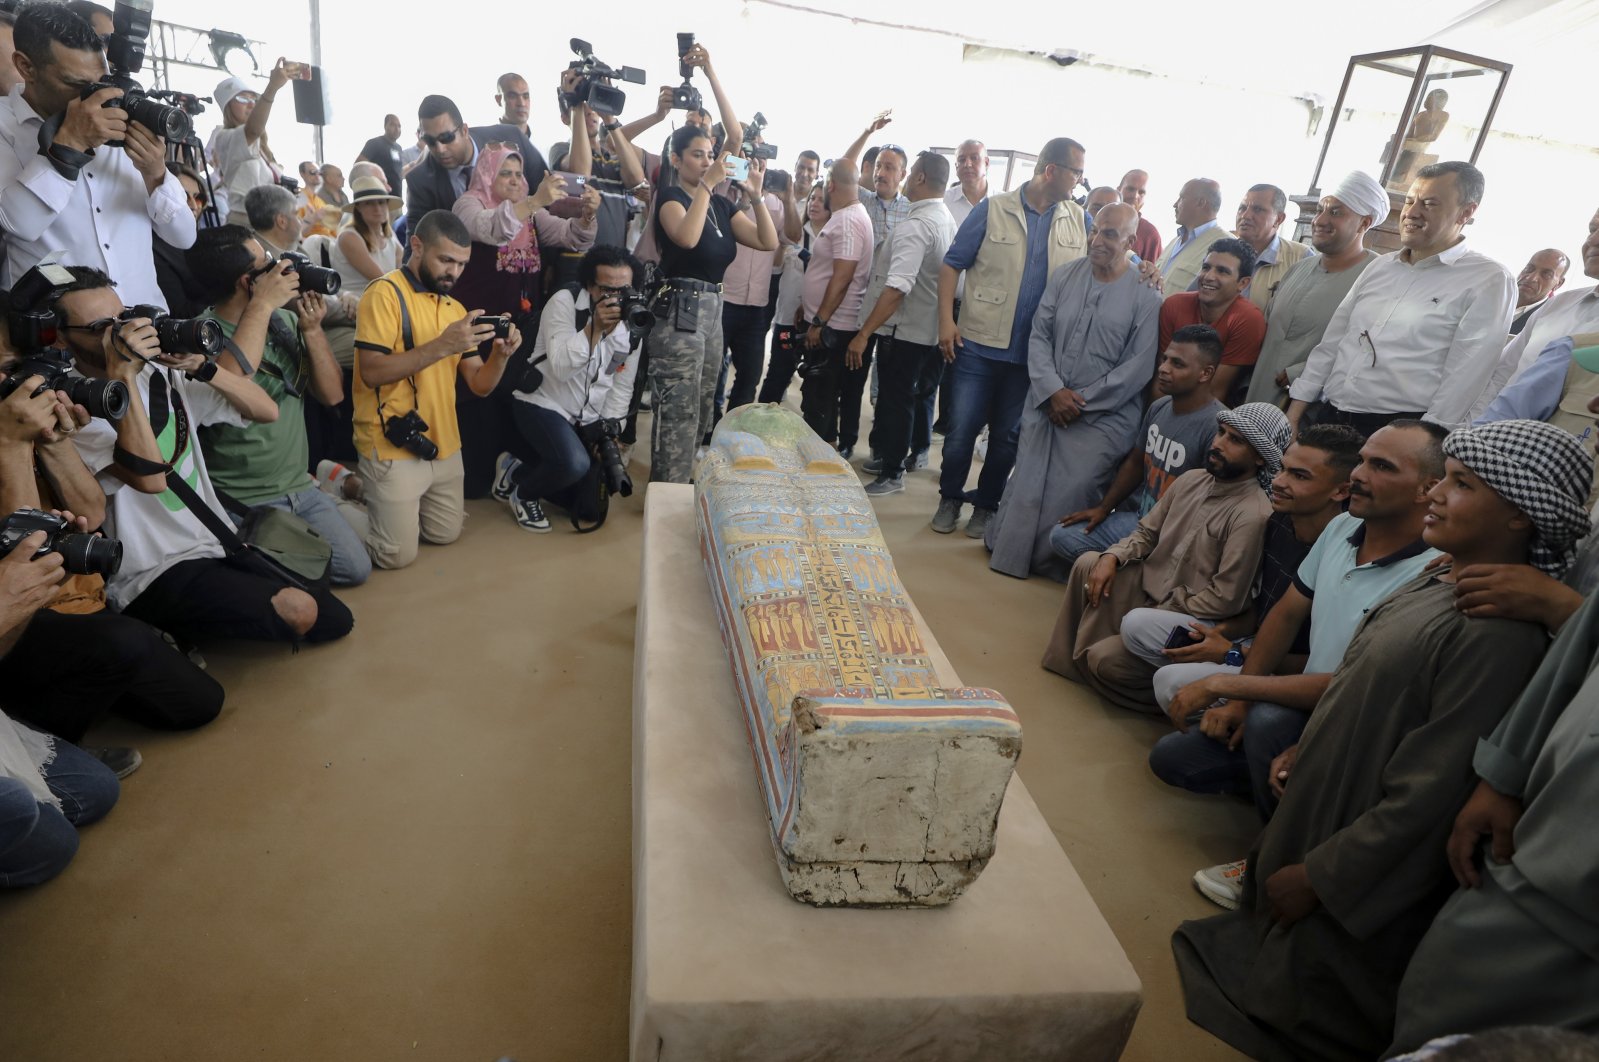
x=411 y=341
x=287 y=354
x=569 y=408
x=176 y=574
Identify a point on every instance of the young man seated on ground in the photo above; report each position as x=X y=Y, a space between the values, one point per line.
x=411 y=342
x=589 y=362
x=1195 y=554
x=75 y=660
x=1348 y=873
x=174 y=574
x=1173 y=439
x=1310 y=491
x=287 y=355
x=1233 y=728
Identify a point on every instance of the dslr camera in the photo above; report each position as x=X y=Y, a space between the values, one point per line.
x=594 y=77
x=34 y=332
x=406 y=433
x=83 y=554
x=125 y=50
x=636 y=312
x=600 y=436
x=686 y=97
x=320 y=279
x=180 y=335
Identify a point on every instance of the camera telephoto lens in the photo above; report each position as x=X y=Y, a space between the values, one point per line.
x=106 y=399
x=89 y=554
x=195 y=335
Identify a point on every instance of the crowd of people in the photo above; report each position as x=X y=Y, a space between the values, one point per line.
x=1326 y=511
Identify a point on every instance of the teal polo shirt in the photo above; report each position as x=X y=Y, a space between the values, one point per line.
x=1342 y=591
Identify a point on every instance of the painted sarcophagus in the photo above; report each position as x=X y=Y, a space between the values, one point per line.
x=883 y=787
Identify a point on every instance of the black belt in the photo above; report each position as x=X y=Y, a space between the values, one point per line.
x=684 y=284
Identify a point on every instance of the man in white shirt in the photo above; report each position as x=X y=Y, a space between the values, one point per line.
x=1420 y=332
x=174 y=575
x=590 y=363
x=971 y=170
x=903 y=299
x=77 y=198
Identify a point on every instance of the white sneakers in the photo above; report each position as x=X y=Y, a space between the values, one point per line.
x=1223 y=884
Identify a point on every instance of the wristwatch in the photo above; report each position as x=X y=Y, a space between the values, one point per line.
x=817 y=322
x=204 y=373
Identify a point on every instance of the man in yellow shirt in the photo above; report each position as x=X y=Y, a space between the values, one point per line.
x=411 y=339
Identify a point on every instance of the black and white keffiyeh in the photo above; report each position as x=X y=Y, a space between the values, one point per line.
x=1544 y=471
x=1266 y=428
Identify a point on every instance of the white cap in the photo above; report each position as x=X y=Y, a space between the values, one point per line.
x=228 y=88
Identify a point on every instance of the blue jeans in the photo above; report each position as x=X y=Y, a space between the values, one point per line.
x=350 y=564
x=553 y=457
x=1202 y=764
x=991 y=393
x=37 y=841
x=1072 y=542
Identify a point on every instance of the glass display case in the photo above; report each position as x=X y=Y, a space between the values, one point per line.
x=1397 y=112
x=1402 y=110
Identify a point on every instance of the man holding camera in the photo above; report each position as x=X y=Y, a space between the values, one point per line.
x=287 y=355
x=68 y=189
x=175 y=574
x=68 y=659
x=590 y=365
x=411 y=340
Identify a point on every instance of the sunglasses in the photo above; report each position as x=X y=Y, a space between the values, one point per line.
x=446 y=137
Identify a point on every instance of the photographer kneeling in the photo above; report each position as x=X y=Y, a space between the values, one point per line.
x=251 y=295
x=74 y=659
x=175 y=574
x=570 y=421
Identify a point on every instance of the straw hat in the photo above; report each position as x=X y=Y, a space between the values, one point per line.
x=370 y=190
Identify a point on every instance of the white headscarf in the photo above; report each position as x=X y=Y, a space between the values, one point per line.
x=1361 y=193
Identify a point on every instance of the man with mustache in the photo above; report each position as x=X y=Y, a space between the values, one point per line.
x=1194 y=554
x=1421 y=332
x=1362 y=557
x=1309 y=293
x=1350 y=872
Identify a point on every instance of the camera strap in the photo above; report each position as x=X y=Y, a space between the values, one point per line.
x=407 y=340
x=164 y=401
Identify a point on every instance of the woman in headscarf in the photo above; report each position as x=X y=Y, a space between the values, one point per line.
x=502 y=277
x=239 y=150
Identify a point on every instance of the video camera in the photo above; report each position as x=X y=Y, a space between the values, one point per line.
x=686 y=97
x=82 y=554
x=35 y=326
x=593 y=86
x=125 y=54
x=753 y=130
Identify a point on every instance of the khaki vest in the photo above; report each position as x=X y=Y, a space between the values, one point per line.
x=1289 y=254
x=1181 y=270
x=1572 y=412
x=988 y=310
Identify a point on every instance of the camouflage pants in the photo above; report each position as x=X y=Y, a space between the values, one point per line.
x=684 y=368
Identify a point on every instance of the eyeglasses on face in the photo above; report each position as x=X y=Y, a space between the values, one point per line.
x=446 y=137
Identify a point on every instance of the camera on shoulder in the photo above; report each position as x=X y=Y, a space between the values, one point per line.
x=593 y=81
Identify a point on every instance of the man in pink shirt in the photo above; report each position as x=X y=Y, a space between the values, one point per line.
x=835 y=282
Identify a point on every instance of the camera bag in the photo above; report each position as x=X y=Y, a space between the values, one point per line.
x=272 y=543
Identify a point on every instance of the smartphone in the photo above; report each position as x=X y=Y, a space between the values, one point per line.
x=1181 y=637
x=738 y=169
x=298 y=71
x=574 y=184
